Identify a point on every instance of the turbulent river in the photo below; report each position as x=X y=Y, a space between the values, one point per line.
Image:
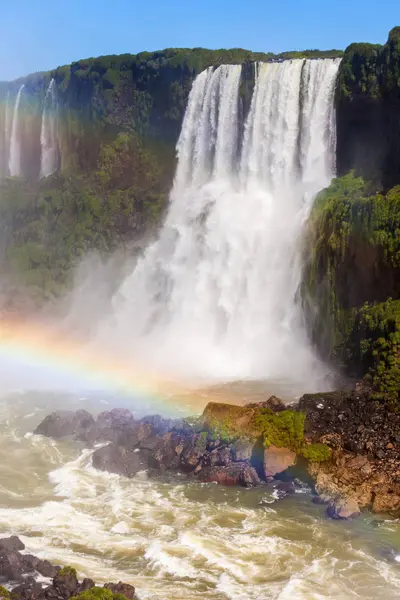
x=174 y=539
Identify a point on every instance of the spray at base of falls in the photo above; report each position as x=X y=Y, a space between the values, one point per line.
x=216 y=295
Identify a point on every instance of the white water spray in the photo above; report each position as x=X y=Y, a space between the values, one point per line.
x=216 y=294
x=48 y=133
x=14 y=162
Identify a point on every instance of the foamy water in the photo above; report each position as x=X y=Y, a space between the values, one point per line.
x=173 y=539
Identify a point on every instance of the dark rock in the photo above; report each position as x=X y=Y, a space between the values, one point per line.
x=242 y=450
x=121 y=588
x=286 y=487
x=120 y=460
x=193 y=451
x=321 y=499
x=11 y=566
x=343 y=508
x=87 y=584
x=66 y=583
x=29 y=590
x=117 y=425
x=66 y=423
x=234 y=474
x=12 y=544
x=46 y=569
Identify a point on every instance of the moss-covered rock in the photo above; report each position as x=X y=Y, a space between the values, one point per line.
x=368 y=105
x=352 y=280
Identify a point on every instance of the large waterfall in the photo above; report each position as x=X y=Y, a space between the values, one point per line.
x=217 y=293
x=14 y=161
x=48 y=133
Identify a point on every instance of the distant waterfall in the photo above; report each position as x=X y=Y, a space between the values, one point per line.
x=14 y=161
x=48 y=133
x=6 y=137
x=216 y=294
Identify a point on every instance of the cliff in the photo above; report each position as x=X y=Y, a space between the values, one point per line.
x=368 y=107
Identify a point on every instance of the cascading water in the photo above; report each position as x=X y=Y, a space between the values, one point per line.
x=14 y=161
x=215 y=295
x=48 y=133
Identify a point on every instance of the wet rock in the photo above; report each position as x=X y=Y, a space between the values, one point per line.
x=29 y=590
x=235 y=474
x=46 y=569
x=343 y=508
x=117 y=425
x=121 y=588
x=12 y=544
x=193 y=451
x=62 y=424
x=386 y=501
x=120 y=460
x=286 y=487
x=277 y=460
x=242 y=450
x=321 y=499
x=66 y=583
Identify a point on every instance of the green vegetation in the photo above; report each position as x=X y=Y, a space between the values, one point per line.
x=54 y=222
x=98 y=593
x=285 y=429
x=5 y=594
x=67 y=571
x=353 y=273
x=224 y=429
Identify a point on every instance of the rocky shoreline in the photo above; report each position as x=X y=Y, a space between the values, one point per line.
x=348 y=442
x=20 y=574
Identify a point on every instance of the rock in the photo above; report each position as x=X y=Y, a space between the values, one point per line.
x=234 y=474
x=386 y=501
x=275 y=404
x=121 y=588
x=121 y=460
x=193 y=451
x=286 y=487
x=343 y=508
x=66 y=423
x=46 y=569
x=117 y=425
x=277 y=460
x=87 y=584
x=321 y=499
x=242 y=450
x=29 y=590
x=12 y=543
x=239 y=418
x=66 y=583
x=11 y=566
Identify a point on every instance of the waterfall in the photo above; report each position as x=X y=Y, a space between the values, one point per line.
x=14 y=161
x=48 y=133
x=216 y=294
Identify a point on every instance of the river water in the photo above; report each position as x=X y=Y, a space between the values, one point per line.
x=177 y=539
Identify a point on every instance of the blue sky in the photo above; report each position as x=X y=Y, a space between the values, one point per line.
x=41 y=34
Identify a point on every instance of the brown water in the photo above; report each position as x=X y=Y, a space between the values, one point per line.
x=180 y=540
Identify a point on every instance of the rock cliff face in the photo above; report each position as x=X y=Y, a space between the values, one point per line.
x=368 y=106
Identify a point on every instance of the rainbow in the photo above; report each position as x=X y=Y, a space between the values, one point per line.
x=48 y=352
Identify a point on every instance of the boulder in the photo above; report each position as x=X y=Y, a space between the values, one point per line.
x=343 y=508
x=67 y=423
x=66 y=583
x=235 y=474
x=112 y=426
x=12 y=544
x=277 y=460
x=386 y=501
x=121 y=460
x=28 y=590
x=242 y=450
x=193 y=451
x=121 y=588
x=11 y=566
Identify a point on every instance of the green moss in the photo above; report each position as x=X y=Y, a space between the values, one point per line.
x=4 y=593
x=284 y=429
x=95 y=593
x=67 y=571
x=353 y=270
x=316 y=452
